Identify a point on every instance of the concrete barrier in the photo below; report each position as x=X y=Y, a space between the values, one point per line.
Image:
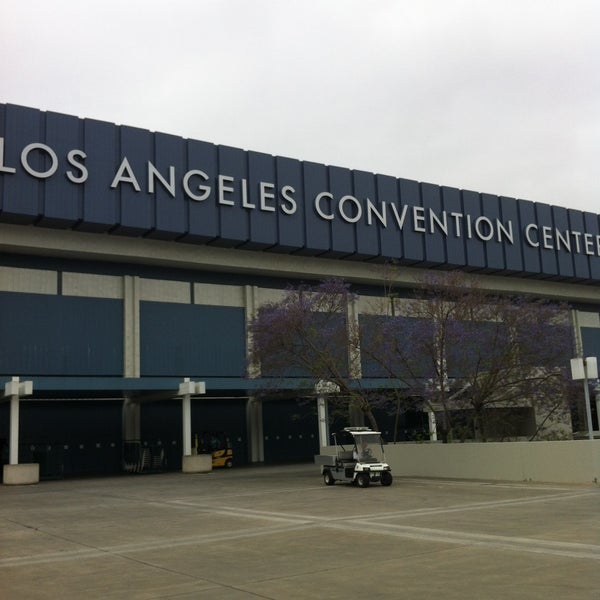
x=572 y=461
x=196 y=463
x=21 y=474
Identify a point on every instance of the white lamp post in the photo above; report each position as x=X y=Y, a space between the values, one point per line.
x=597 y=397
x=323 y=389
x=14 y=390
x=187 y=389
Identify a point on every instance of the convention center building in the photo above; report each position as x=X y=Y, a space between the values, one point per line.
x=132 y=260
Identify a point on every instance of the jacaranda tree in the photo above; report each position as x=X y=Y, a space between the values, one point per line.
x=463 y=350
x=447 y=345
x=308 y=337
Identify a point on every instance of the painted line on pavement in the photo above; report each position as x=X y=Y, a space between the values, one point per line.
x=148 y=546
x=519 y=544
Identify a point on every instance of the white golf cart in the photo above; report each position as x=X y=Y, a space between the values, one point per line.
x=361 y=464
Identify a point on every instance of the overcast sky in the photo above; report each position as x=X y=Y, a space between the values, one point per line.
x=496 y=96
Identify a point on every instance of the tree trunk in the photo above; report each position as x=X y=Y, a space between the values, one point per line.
x=478 y=424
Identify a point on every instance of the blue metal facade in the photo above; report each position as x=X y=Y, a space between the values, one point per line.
x=68 y=342
x=58 y=335
x=62 y=171
x=207 y=341
x=590 y=338
x=45 y=335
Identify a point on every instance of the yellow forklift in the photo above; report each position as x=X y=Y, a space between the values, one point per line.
x=216 y=443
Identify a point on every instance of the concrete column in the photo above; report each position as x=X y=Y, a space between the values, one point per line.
x=323 y=413
x=131 y=326
x=585 y=369
x=352 y=328
x=13 y=452
x=131 y=420
x=588 y=408
x=578 y=342
x=186 y=406
x=251 y=305
x=356 y=417
x=254 y=426
x=432 y=426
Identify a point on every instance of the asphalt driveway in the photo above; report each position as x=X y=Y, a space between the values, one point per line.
x=280 y=533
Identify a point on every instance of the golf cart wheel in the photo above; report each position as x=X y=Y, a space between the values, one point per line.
x=363 y=480
x=328 y=478
x=229 y=463
x=386 y=478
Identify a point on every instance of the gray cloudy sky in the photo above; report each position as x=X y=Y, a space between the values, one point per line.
x=495 y=96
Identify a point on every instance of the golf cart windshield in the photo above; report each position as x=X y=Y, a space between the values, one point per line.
x=367 y=447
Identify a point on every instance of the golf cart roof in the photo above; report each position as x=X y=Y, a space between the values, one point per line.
x=361 y=431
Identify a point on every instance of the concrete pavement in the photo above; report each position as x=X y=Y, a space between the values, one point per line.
x=279 y=533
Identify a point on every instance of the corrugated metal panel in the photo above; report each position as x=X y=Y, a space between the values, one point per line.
x=590 y=337
x=192 y=340
x=290 y=430
x=58 y=335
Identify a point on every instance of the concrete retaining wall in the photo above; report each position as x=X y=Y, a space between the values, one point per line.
x=559 y=462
